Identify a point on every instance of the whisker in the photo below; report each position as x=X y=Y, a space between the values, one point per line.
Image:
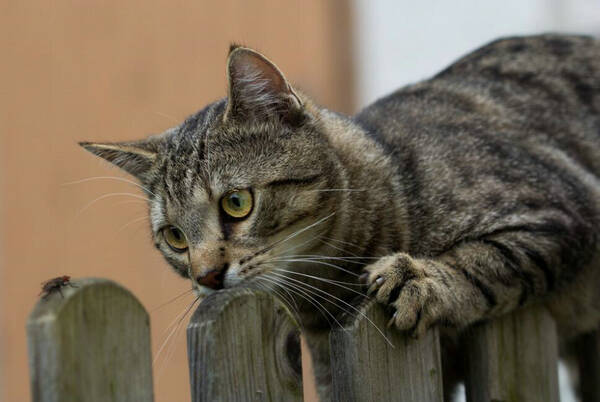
x=173 y=345
x=349 y=259
x=274 y=288
x=130 y=202
x=337 y=247
x=180 y=318
x=171 y=300
x=109 y=178
x=340 y=241
x=309 y=293
x=336 y=189
x=332 y=282
x=303 y=294
x=297 y=245
x=175 y=320
x=132 y=222
x=291 y=236
x=290 y=303
x=344 y=302
x=295 y=306
x=269 y=289
x=89 y=204
x=319 y=262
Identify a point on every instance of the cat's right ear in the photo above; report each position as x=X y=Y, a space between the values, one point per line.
x=136 y=157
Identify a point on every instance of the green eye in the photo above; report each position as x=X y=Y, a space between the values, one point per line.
x=175 y=239
x=237 y=204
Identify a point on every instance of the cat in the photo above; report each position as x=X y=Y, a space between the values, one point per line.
x=454 y=200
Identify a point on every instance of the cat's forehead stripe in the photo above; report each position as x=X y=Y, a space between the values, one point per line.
x=184 y=164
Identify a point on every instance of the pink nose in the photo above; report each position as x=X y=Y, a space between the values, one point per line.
x=213 y=279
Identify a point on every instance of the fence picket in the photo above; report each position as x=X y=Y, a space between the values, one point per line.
x=513 y=358
x=366 y=368
x=93 y=344
x=243 y=345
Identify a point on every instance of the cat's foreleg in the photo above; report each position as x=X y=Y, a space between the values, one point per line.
x=473 y=281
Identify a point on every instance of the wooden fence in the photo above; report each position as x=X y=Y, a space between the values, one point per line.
x=93 y=344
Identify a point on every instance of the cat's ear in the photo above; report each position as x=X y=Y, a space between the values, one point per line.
x=135 y=157
x=257 y=89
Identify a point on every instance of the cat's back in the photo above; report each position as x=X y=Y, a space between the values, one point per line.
x=514 y=121
x=543 y=89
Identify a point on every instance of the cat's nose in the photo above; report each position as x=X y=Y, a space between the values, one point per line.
x=213 y=278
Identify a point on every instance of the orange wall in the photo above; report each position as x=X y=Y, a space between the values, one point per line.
x=115 y=70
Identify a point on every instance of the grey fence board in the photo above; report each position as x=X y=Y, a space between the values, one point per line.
x=366 y=368
x=513 y=358
x=91 y=345
x=238 y=347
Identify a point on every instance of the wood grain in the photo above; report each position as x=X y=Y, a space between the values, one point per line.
x=513 y=358
x=366 y=368
x=93 y=344
x=238 y=345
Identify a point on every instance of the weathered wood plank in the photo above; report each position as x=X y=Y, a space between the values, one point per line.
x=589 y=367
x=93 y=344
x=513 y=358
x=244 y=345
x=366 y=368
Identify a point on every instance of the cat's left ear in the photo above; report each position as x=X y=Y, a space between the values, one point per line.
x=257 y=89
x=135 y=157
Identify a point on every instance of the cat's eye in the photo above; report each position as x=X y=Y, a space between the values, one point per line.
x=175 y=239
x=237 y=204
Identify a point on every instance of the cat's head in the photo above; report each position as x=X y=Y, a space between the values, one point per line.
x=238 y=186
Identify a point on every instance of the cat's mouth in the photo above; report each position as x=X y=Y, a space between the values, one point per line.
x=230 y=278
x=263 y=266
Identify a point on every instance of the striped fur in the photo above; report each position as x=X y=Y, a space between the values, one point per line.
x=478 y=190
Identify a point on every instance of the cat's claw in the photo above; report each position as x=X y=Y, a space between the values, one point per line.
x=392 y=321
x=405 y=285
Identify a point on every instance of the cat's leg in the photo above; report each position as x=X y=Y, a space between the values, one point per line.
x=474 y=280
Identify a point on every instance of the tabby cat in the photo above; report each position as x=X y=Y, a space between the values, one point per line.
x=456 y=199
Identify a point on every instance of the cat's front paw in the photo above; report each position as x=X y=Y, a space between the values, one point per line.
x=409 y=289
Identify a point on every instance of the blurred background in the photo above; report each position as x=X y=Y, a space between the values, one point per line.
x=113 y=70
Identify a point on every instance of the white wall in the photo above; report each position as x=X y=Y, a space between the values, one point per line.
x=400 y=42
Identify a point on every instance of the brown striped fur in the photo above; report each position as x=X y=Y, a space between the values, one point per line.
x=478 y=189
